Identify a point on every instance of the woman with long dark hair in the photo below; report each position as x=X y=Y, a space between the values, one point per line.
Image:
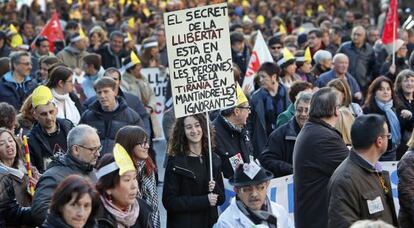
x=189 y=196
x=382 y=100
x=136 y=142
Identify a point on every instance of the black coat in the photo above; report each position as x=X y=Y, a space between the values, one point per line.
x=55 y=221
x=185 y=207
x=106 y=220
x=354 y=183
x=39 y=147
x=109 y=59
x=318 y=151
x=108 y=123
x=11 y=213
x=405 y=171
x=278 y=153
x=133 y=102
x=60 y=168
x=230 y=142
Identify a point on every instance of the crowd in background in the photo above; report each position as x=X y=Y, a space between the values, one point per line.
x=88 y=111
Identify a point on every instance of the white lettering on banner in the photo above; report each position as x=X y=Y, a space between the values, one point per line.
x=158 y=80
x=199 y=56
x=281 y=189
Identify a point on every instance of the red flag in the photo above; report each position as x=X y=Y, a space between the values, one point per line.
x=391 y=24
x=52 y=31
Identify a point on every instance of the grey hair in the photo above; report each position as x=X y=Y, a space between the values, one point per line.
x=16 y=56
x=322 y=55
x=77 y=134
x=371 y=224
x=338 y=56
x=303 y=97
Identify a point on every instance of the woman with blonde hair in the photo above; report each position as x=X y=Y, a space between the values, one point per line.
x=348 y=110
x=97 y=38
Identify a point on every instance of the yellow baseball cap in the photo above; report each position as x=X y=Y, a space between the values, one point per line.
x=42 y=95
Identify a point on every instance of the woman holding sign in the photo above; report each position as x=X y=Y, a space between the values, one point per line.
x=189 y=197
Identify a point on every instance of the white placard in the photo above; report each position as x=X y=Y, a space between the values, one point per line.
x=199 y=56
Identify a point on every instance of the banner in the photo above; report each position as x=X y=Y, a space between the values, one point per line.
x=391 y=24
x=52 y=31
x=158 y=80
x=281 y=190
x=199 y=56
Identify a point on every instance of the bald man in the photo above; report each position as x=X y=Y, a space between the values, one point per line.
x=362 y=64
x=340 y=70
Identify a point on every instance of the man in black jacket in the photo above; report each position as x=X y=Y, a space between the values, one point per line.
x=113 y=52
x=359 y=189
x=84 y=149
x=278 y=153
x=132 y=101
x=233 y=144
x=319 y=149
x=48 y=135
x=109 y=113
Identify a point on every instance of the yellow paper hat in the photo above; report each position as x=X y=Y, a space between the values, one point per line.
x=308 y=56
x=241 y=97
x=122 y=2
x=12 y=29
x=81 y=33
x=128 y=38
x=301 y=29
x=321 y=9
x=146 y=12
x=69 y=2
x=287 y=55
x=309 y=12
x=245 y=3
x=16 y=41
x=260 y=20
x=123 y=160
x=41 y=96
x=282 y=29
x=134 y=58
x=131 y=22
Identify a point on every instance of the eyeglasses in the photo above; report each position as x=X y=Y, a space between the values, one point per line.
x=26 y=63
x=144 y=143
x=93 y=149
x=244 y=107
x=388 y=136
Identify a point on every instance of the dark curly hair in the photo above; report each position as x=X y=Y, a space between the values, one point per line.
x=178 y=143
x=374 y=87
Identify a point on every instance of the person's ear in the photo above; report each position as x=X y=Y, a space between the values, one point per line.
x=35 y=115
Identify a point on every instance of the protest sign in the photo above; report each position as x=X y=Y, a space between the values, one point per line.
x=158 y=80
x=280 y=190
x=199 y=55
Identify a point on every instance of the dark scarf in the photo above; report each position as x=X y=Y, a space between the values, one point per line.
x=268 y=100
x=260 y=216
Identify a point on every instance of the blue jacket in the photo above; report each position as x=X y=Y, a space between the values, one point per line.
x=326 y=77
x=13 y=92
x=256 y=124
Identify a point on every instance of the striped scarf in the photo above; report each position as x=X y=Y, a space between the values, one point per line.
x=149 y=193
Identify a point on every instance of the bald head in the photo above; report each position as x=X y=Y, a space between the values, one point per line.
x=341 y=63
x=358 y=36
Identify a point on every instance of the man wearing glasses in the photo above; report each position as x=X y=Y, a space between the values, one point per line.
x=84 y=148
x=48 y=135
x=233 y=144
x=16 y=84
x=359 y=189
x=251 y=207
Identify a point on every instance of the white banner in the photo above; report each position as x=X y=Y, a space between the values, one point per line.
x=158 y=80
x=199 y=56
x=281 y=189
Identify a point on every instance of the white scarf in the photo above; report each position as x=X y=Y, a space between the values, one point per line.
x=70 y=111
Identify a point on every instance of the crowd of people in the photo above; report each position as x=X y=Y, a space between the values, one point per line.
x=333 y=103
